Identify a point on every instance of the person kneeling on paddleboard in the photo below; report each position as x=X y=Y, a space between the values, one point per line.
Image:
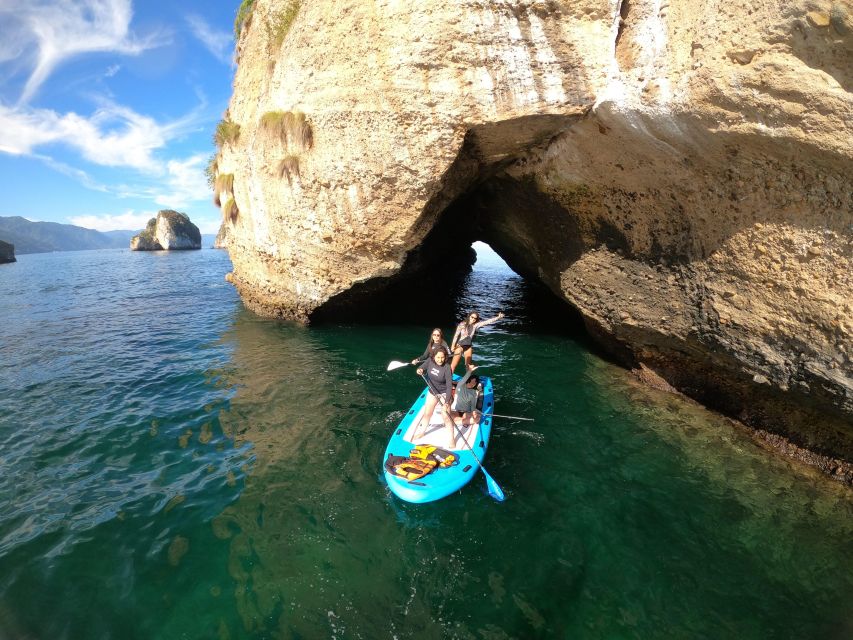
x=439 y=381
x=464 y=406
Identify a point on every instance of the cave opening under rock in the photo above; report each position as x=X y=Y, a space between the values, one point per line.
x=498 y=225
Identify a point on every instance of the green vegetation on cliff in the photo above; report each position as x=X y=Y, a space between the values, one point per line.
x=211 y=169
x=244 y=17
x=289 y=127
x=226 y=131
x=224 y=184
x=279 y=23
x=230 y=210
x=289 y=167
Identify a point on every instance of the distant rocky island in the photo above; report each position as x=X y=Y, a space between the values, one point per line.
x=7 y=252
x=44 y=237
x=170 y=230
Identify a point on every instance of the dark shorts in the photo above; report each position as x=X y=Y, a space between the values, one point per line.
x=467 y=343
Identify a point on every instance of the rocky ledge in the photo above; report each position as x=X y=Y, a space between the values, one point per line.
x=680 y=172
x=170 y=230
x=7 y=252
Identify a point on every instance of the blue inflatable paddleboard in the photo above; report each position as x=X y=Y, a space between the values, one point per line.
x=440 y=482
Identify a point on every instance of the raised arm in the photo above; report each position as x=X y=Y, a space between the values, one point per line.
x=464 y=378
x=483 y=323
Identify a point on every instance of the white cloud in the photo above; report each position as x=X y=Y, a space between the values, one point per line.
x=134 y=221
x=113 y=136
x=208 y=225
x=128 y=221
x=218 y=43
x=186 y=182
x=112 y=70
x=57 y=30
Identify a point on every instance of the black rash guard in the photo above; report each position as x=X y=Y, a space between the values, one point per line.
x=432 y=347
x=440 y=379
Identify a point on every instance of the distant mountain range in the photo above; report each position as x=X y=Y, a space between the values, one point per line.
x=42 y=237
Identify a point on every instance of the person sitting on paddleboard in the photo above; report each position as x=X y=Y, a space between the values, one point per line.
x=439 y=382
x=436 y=342
x=463 y=339
x=464 y=406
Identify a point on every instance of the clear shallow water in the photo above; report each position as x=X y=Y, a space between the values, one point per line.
x=175 y=467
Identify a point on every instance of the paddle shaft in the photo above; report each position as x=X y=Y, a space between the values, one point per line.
x=497 y=415
x=459 y=430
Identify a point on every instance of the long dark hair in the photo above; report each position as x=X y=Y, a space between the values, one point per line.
x=440 y=337
x=468 y=318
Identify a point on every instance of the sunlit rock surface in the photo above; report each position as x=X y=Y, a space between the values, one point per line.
x=170 y=230
x=221 y=240
x=680 y=172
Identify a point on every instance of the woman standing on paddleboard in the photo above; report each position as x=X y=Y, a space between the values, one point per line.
x=439 y=381
x=463 y=339
x=436 y=342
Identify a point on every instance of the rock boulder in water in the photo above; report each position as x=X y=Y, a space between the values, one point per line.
x=7 y=252
x=169 y=230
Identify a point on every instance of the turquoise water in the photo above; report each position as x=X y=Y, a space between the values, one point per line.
x=175 y=467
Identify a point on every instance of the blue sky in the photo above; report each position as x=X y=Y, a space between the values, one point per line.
x=107 y=108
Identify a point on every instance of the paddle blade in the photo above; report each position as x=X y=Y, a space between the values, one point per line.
x=396 y=364
x=494 y=490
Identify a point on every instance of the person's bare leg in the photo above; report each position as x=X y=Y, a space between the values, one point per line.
x=429 y=407
x=457 y=355
x=469 y=356
x=450 y=424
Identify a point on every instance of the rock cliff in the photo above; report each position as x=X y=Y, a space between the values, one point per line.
x=678 y=171
x=221 y=240
x=7 y=252
x=169 y=230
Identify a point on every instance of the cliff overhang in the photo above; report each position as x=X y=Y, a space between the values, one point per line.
x=679 y=173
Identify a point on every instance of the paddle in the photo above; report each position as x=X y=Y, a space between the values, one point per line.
x=396 y=364
x=494 y=489
x=497 y=415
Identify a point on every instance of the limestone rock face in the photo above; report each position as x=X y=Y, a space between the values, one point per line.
x=169 y=230
x=680 y=172
x=7 y=252
x=221 y=241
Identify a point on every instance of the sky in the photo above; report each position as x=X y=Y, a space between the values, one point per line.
x=108 y=107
